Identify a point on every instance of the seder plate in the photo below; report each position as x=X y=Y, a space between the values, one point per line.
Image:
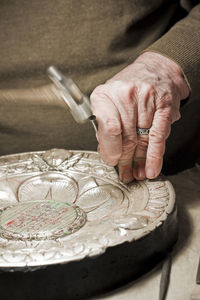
x=61 y=206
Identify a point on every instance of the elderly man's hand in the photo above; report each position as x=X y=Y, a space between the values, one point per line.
x=146 y=94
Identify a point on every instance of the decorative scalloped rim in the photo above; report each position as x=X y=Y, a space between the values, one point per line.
x=33 y=258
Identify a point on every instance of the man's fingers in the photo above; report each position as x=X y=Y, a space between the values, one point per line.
x=158 y=133
x=145 y=117
x=109 y=128
x=126 y=159
x=110 y=139
x=140 y=158
x=116 y=115
x=128 y=114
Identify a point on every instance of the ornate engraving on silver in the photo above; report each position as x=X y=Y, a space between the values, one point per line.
x=142 y=131
x=59 y=206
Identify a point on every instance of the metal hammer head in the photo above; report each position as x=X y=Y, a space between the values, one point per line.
x=78 y=103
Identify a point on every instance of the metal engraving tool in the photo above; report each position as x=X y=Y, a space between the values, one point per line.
x=78 y=103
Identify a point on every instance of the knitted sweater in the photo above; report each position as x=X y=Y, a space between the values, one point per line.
x=90 y=41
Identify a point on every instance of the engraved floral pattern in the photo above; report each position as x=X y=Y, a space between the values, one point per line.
x=115 y=212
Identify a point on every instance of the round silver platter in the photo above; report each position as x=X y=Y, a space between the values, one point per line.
x=60 y=206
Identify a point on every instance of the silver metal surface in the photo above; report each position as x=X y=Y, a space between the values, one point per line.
x=60 y=206
x=40 y=220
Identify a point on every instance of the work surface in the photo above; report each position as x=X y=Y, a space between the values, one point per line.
x=185 y=255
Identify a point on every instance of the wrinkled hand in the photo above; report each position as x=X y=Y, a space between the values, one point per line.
x=145 y=94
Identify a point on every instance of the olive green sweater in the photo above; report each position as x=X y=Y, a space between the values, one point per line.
x=89 y=40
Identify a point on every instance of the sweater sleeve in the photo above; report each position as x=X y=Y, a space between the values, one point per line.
x=182 y=44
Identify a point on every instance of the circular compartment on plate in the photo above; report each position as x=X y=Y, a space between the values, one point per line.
x=39 y=220
x=49 y=186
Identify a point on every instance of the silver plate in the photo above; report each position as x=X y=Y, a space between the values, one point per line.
x=59 y=206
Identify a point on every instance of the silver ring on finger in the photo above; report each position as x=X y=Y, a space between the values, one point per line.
x=142 y=131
